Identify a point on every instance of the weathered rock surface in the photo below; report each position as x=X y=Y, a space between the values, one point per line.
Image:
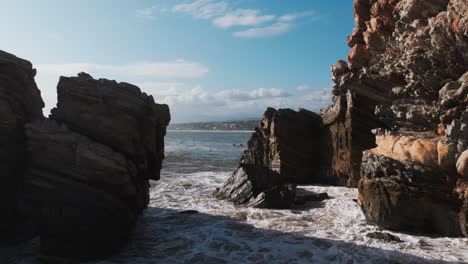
x=288 y=142
x=406 y=81
x=284 y=150
x=257 y=186
x=20 y=102
x=90 y=166
x=407 y=196
x=79 y=191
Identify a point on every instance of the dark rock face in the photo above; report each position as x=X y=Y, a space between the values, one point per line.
x=285 y=150
x=257 y=186
x=288 y=142
x=383 y=236
x=90 y=166
x=20 y=102
x=80 y=192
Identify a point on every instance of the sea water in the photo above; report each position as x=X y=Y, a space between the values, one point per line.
x=185 y=224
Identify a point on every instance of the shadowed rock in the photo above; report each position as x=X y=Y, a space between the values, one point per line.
x=20 y=102
x=90 y=166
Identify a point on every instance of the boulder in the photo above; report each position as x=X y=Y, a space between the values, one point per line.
x=20 y=102
x=289 y=143
x=407 y=196
x=117 y=114
x=257 y=186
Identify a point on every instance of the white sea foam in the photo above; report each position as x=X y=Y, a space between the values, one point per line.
x=332 y=231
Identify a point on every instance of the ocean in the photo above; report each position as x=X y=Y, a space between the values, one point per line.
x=185 y=224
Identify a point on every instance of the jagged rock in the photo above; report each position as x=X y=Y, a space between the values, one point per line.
x=383 y=236
x=90 y=166
x=406 y=75
x=116 y=114
x=407 y=196
x=462 y=164
x=20 y=102
x=289 y=143
x=257 y=186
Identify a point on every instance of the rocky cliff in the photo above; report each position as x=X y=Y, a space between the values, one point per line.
x=20 y=102
x=405 y=89
x=82 y=175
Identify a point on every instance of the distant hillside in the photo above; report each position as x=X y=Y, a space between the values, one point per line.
x=221 y=126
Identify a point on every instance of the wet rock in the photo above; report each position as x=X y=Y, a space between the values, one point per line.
x=406 y=196
x=20 y=102
x=387 y=237
x=310 y=197
x=257 y=186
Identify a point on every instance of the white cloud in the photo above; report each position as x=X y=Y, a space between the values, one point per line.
x=202 y=9
x=242 y=17
x=268 y=31
x=293 y=16
x=224 y=15
x=175 y=69
x=191 y=103
x=146 y=12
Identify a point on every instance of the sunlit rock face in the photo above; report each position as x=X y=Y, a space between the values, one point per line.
x=403 y=93
x=89 y=166
x=20 y=102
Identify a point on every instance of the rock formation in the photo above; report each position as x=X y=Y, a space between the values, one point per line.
x=283 y=151
x=81 y=177
x=257 y=186
x=405 y=81
x=20 y=102
x=90 y=165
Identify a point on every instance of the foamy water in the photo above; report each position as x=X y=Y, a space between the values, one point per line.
x=332 y=231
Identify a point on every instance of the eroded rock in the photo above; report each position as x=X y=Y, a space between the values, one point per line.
x=407 y=196
x=20 y=102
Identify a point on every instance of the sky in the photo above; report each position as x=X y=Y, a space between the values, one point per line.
x=209 y=60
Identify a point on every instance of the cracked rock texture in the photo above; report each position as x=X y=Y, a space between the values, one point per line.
x=90 y=166
x=404 y=96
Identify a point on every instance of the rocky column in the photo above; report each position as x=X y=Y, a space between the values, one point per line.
x=20 y=102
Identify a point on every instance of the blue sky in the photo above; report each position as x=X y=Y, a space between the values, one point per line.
x=207 y=59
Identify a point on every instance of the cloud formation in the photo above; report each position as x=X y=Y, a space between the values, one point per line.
x=175 y=69
x=202 y=9
x=193 y=103
x=268 y=31
x=224 y=15
x=242 y=17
